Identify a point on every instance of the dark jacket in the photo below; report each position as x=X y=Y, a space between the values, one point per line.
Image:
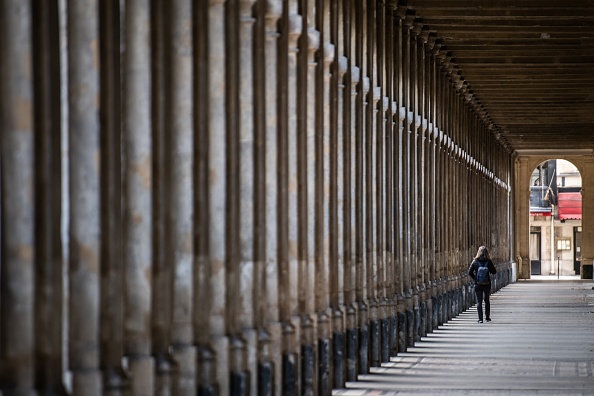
x=474 y=267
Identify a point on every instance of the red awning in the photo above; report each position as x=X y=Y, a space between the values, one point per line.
x=540 y=213
x=570 y=206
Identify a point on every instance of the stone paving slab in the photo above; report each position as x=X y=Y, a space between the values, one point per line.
x=540 y=342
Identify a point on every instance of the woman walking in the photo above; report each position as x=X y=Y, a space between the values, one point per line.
x=480 y=270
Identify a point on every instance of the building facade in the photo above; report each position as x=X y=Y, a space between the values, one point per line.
x=556 y=219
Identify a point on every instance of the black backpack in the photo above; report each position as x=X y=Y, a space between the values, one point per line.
x=482 y=273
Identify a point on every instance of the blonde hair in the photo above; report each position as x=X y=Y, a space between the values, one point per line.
x=482 y=254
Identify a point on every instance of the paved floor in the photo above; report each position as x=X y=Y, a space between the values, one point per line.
x=540 y=342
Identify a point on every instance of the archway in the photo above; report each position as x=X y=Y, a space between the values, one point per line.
x=555 y=221
x=525 y=162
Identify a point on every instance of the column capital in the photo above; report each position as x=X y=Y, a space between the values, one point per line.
x=343 y=66
x=409 y=19
x=245 y=9
x=401 y=113
x=386 y=103
x=430 y=130
x=295 y=29
x=410 y=118
x=274 y=9
x=424 y=37
x=355 y=76
x=366 y=85
x=313 y=41
x=435 y=132
x=436 y=50
x=430 y=42
x=417 y=27
x=328 y=53
x=376 y=94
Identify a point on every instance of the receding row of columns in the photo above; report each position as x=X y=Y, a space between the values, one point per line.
x=262 y=196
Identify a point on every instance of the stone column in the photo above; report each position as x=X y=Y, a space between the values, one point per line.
x=84 y=238
x=406 y=179
x=235 y=148
x=181 y=214
x=384 y=131
x=521 y=223
x=414 y=178
x=390 y=192
x=161 y=293
x=342 y=261
x=270 y=276
x=398 y=178
x=438 y=192
x=354 y=260
x=308 y=337
x=289 y=278
x=429 y=184
x=246 y=361
x=435 y=185
x=348 y=95
x=372 y=235
x=379 y=164
x=17 y=312
x=362 y=219
x=323 y=222
x=586 y=170
x=49 y=262
x=138 y=199
x=111 y=250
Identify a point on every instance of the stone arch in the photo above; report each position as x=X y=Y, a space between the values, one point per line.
x=523 y=166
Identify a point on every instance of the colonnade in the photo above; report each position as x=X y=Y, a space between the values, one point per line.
x=234 y=197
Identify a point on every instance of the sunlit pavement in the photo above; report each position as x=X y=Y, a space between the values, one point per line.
x=540 y=342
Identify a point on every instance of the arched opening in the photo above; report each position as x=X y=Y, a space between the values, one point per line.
x=555 y=241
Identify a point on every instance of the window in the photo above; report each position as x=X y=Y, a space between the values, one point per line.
x=564 y=244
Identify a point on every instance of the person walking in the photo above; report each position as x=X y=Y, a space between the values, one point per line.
x=480 y=270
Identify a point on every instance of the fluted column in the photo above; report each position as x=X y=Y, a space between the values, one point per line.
x=18 y=252
x=84 y=190
x=138 y=199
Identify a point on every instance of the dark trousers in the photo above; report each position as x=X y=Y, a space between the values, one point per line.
x=483 y=292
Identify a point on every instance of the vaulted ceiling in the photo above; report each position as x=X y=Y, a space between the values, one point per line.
x=528 y=63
